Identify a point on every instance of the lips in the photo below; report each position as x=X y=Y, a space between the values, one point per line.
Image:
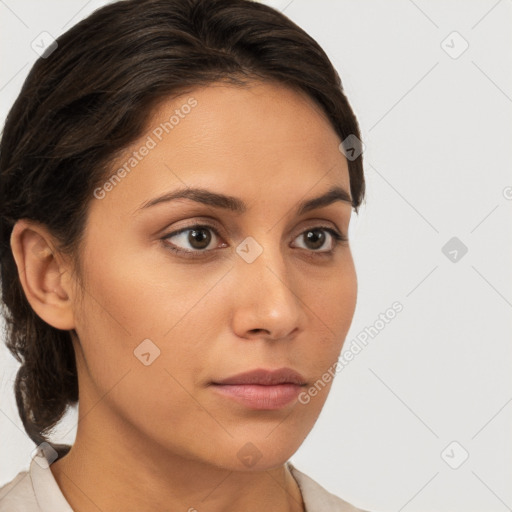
x=265 y=377
x=262 y=389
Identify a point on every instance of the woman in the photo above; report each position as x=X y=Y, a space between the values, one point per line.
x=199 y=363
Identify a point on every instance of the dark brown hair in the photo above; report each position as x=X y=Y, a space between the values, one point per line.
x=92 y=97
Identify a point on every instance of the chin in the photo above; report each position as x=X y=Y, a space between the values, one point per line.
x=260 y=452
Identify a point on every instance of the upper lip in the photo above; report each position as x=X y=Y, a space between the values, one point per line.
x=266 y=377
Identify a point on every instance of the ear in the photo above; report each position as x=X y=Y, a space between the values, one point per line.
x=45 y=278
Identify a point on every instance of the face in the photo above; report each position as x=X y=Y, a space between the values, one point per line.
x=179 y=294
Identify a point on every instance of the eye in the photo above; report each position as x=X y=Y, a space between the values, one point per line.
x=196 y=240
x=316 y=238
x=197 y=237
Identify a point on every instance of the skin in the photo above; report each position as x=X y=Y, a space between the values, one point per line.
x=158 y=437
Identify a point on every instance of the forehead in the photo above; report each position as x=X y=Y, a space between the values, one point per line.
x=255 y=139
x=253 y=113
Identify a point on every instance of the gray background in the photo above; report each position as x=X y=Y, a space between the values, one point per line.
x=438 y=131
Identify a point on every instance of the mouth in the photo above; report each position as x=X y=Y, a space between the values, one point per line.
x=262 y=389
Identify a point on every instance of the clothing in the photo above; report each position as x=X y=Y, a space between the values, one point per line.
x=36 y=490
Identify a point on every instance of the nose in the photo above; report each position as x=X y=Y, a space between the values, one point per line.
x=266 y=301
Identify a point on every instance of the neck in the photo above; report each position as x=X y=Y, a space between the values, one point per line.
x=122 y=474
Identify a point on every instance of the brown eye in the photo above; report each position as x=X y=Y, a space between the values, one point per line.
x=191 y=239
x=315 y=239
x=199 y=238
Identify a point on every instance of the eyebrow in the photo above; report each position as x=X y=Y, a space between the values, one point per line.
x=202 y=195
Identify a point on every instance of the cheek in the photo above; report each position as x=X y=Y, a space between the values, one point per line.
x=332 y=302
x=136 y=295
x=118 y=314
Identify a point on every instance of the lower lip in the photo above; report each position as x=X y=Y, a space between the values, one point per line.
x=257 y=396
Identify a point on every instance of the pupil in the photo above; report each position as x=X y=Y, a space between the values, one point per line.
x=195 y=236
x=317 y=237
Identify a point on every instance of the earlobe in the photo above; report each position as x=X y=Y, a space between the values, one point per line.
x=42 y=274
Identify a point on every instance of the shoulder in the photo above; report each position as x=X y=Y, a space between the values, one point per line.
x=34 y=490
x=318 y=499
x=18 y=495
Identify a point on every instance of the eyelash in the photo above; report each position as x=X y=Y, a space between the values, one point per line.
x=338 y=239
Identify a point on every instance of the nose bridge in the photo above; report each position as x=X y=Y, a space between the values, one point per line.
x=266 y=298
x=262 y=261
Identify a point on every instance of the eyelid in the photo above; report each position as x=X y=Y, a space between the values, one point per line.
x=317 y=224
x=190 y=252
x=212 y=224
x=339 y=238
x=337 y=235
